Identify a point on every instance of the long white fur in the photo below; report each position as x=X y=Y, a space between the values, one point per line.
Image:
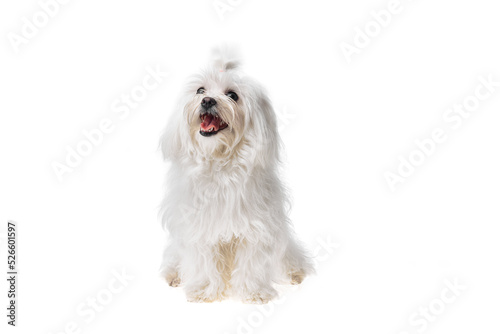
x=225 y=207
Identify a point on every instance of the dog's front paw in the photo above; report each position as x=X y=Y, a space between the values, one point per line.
x=297 y=277
x=204 y=295
x=173 y=279
x=260 y=297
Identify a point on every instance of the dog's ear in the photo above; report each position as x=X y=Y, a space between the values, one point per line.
x=266 y=142
x=226 y=58
x=167 y=144
x=171 y=141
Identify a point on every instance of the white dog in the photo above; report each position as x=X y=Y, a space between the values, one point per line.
x=225 y=206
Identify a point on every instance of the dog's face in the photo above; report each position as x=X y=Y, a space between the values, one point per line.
x=216 y=111
x=224 y=114
x=211 y=118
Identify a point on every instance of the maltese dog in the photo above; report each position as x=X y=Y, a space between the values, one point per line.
x=225 y=207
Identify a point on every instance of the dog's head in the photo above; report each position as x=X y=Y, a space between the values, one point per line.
x=222 y=115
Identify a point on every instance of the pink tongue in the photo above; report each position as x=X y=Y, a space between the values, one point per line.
x=210 y=122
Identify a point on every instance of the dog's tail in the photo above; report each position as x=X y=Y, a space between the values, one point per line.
x=226 y=58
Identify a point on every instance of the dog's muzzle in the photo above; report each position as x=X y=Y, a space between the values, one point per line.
x=211 y=123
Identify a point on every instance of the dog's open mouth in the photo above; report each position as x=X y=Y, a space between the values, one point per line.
x=211 y=124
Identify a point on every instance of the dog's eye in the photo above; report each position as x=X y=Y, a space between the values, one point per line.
x=233 y=96
x=200 y=90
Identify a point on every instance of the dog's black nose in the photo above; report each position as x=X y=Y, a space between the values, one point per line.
x=208 y=102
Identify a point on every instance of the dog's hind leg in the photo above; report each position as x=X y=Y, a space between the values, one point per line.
x=296 y=263
x=170 y=264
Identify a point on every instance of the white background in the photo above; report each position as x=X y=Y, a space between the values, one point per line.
x=345 y=125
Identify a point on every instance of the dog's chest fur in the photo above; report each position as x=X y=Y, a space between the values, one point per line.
x=226 y=201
